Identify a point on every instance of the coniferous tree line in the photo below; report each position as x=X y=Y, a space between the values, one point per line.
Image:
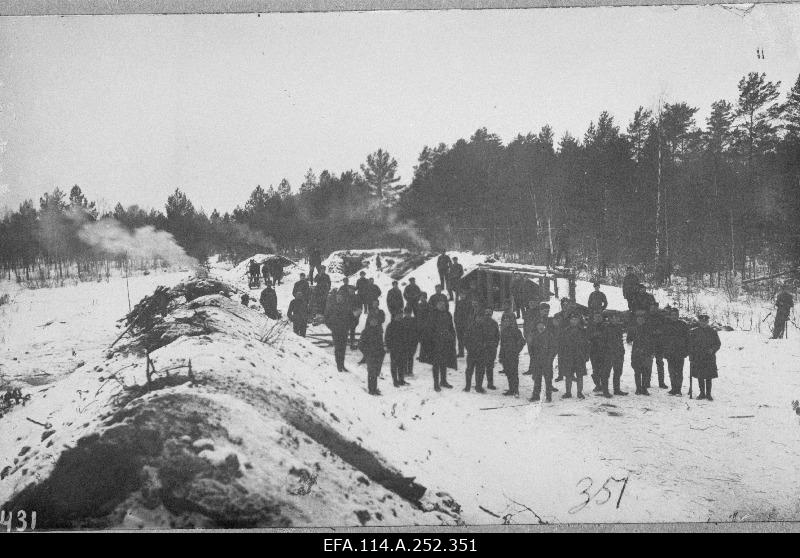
x=663 y=191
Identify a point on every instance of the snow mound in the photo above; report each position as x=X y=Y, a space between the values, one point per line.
x=242 y=424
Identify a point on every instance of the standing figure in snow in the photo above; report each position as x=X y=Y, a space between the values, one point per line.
x=354 y=306
x=437 y=296
x=324 y=280
x=301 y=285
x=378 y=262
x=422 y=313
x=276 y=270
x=597 y=300
x=338 y=318
x=655 y=319
x=630 y=287
x=441 y=334
x=595 y=334
x=543 y=346
x=411 y=335
x=443 y=264
x=675 y=342
x=269 y=301
x=472 y=340
x=314 y=261
x=371 y=346
x=613 y=354
x=394 y=300
x=511 y=343
x=298 y=313
x=783 y=306
x=362 y=290
x=373 y=293
x=254 y=273
x=396 y=344
x=703 y=346
x=462 y=316
x=562 y=241
x=375 y=308
x=488 y=339
x=573 y=352
x=642 y=352
x=520 y=294
x=454 y=276
x=265 y=272
x=411 y=294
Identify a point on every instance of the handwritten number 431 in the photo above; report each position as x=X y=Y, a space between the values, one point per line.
x=601 y=496
x=7 y=519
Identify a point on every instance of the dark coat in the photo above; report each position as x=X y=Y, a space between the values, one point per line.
x=371 y=343
x=463 y=314
x=411 y=293
x=275 y=268
x=597 y=301
x=482 y=339
x=373 y=292
x=784 y=301
x=362 y=288
x=298 y=311
x=455 y=274
x=675 y=339
x=544 y=347
x=269 y=300
x=440 y=334
x=410 y=333
x=511 y=343
x=703 y=346
x=629 y=284
x=643 y=347
x=301 y=286
x=338 y=317
x=435 y=298
x=394 y=300
x=401 y=337
x=443 y=263
x=594 y=332
x=254 y=268
x=530 y=316
x=315 y=258
x=324 y=281
x=613 y=344
x=573 y=351
x=425 y=337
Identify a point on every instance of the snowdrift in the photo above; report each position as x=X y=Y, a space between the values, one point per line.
x=222 y=428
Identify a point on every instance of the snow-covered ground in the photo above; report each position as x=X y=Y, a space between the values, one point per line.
x=502 y=459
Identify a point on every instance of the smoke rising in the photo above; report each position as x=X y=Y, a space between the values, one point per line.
x=254 y=238
x=109 y=236
x=408 y=230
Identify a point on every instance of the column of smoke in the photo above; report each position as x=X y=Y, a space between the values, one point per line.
x=109 y=236
x=406 y=229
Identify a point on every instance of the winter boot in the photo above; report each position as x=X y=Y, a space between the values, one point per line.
x=535 y=397
x=708 y=390
x=637 y=377
x=480 y=390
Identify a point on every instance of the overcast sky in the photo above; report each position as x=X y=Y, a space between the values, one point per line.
x=130 y=107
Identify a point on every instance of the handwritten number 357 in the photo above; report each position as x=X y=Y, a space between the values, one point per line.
x=601 y=496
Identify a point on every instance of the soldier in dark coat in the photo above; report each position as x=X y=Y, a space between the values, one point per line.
x=362 y=290
x=511 y=343
x=594 y=332
x=422 y=313
x=298 y=313
x=613 y=353
x=642 y=352
x=462 y=317
x=254 y=273
x=471 y=339
x=543 y=346
x=265 y=272
x=373 y=292
x=487 y=334
x=276 y=270
x=703 y=346
x=324 y=280
x=354 y=306
x=519 y=294
x=371 y=346
x=454 y=277
x=314 y=261
x=269 y=301
x=675 y=345
x=655 y=319
x=338 y=318
x=441 y=333
x=573 y=352
x=301 y=285
x=557 y=324
x=437 y=296
x=783 y=306
x=443 y=264
x=411 y=336
x=411 y=294
x=630 y=286
x=396 y=343
x=535 y=312
x=394 y=300
x=597 y=300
